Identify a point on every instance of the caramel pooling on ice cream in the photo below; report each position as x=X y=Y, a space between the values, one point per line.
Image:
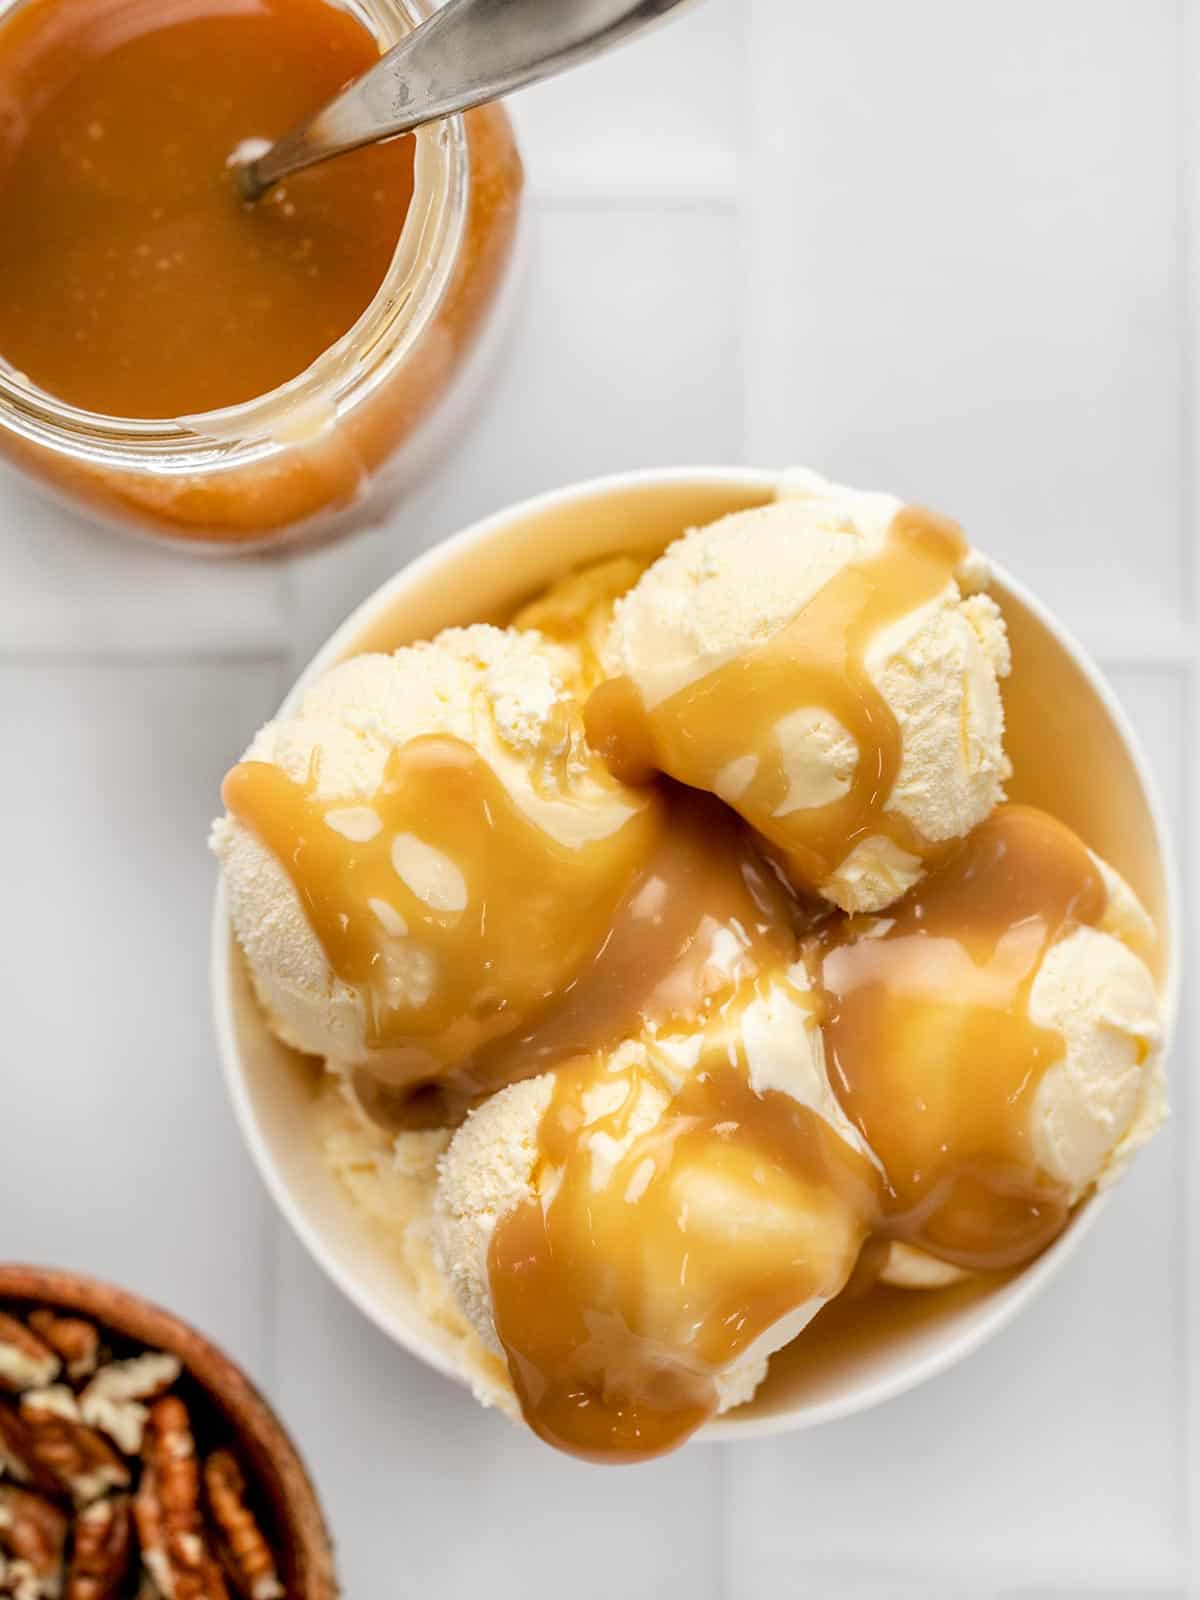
x=930 y=1044
x=619 y=1302
x=496 y=915
x=817 y=663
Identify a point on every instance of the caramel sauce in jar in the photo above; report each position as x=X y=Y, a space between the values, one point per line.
x=817 y=662
x=138 y=285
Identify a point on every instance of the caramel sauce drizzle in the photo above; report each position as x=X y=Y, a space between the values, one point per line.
x=701 y=918
x=817 y=661
x=620 y=1301
x=577 y=610
x=929 y=1043
x=455 y=916
x=627 y=1286
x=679 y=1214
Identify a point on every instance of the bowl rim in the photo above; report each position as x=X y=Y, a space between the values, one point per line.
x=1006 y=1305
x=223 y=1380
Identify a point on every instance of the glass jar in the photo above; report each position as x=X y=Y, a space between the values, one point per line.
x=326 y=452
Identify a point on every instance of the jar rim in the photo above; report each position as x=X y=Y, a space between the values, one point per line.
x=340 y=379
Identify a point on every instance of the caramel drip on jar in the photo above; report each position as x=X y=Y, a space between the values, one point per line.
x=730 y=719
x=651 y=1270
x=930 y=1045
x=452 y=912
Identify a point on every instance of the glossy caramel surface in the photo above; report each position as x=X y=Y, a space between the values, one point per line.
x=454 y=914
x=817 y=663
x=620 y=1301
x=133 y=282
x=930 y=1045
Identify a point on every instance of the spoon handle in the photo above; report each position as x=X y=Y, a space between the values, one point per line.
x=468 y=52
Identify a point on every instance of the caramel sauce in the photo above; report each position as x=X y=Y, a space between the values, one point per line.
x=626 y=1285
x=930 y=1047
x=620 y=1300
x=577 y=610
x=322 y=483
x=818 y=662
x=680 y=1215
x=703 y=917
x=133 y=282
x=454 y=915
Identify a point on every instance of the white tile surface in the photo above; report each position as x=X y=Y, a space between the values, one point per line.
x=120 y=1155
x=665 y=117
x=71 y=588
x=940 y=246
x=966 y=273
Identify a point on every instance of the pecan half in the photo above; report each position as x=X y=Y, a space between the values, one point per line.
x=18 y=1581
x=152 y=1534
x=103 y=1547
x=74 y=1341
x=17 y=1457
x=246 y=1554
x=194 y=1573
x=81 y=1459
x=25 y=1362
x=171 y=1451
x=113 y=1399
x=33 y=1531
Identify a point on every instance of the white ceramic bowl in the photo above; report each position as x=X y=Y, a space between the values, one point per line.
x=1074 y=753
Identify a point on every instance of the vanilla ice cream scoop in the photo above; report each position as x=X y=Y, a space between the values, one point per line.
x=675 y=1209
x=1105 y=1096
x=424 y=851
x=996 y=1038
x=819 y=664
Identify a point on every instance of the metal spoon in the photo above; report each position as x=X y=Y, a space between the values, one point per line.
x=467 y=53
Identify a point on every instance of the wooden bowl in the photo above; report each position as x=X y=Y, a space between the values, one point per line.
x=300 y=1537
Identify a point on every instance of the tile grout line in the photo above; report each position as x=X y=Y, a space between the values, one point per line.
x=119 y=656
x=560 y=193
x=753 y=211
x=747 y=201
x=1186 y=1106
x=274 y=1226
x=1188 y=125
x=1187 y=120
